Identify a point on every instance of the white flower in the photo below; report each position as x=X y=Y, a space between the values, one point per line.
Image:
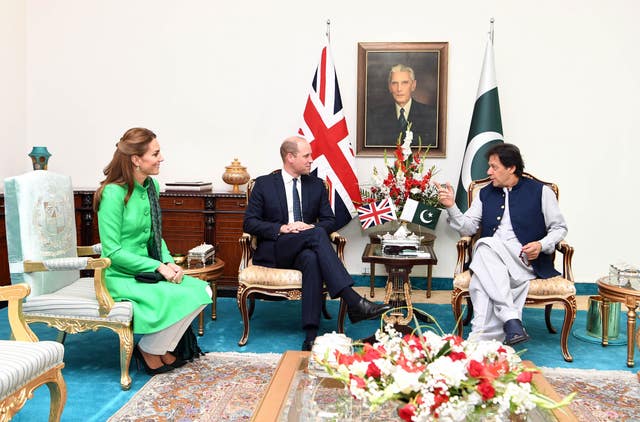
x=406 y=144
x=405 y=382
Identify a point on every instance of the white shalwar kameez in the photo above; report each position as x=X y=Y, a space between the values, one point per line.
x=500 y=279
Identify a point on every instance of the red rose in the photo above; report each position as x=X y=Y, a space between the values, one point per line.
x=406 y=412
x=475 y=369
x=525 y=377
x=373 y=370
x=486 y=390
x=454 y=356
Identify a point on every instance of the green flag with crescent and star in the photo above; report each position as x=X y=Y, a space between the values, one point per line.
x=485 y=130
x=420 y=213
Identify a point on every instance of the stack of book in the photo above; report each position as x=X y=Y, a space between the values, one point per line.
x=189 y=186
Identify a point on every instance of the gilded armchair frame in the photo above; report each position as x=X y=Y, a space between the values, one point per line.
x=53 y=379
x=246 y=293
x=562 y=291
x=73 y=325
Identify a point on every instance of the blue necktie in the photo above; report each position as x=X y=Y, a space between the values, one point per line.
x=403 y=120
x=297 y=209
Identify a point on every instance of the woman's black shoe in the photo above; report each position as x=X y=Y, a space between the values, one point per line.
x=140 y=361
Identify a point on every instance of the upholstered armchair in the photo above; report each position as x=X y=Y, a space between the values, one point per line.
x=560 y=289
x=28 y=363
x=273 y=282
x=41 y=241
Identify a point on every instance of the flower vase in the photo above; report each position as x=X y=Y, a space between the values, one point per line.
x=39 y=158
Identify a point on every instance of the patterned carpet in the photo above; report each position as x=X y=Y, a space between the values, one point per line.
x=216 y=387
x=602 y=395
x=228 y=387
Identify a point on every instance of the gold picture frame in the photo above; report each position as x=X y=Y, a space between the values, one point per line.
x=377 y=115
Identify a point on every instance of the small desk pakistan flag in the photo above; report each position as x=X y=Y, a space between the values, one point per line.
x=420 y=213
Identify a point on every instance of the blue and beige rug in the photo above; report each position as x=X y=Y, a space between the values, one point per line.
x=228 y=387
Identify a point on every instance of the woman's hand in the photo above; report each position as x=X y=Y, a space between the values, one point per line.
x=171 y=272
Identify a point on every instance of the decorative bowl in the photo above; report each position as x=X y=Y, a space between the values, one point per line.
x=179 y=258
x=235 y=175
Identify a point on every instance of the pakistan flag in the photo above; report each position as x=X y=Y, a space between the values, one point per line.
x=485 y=130
x=420 y=213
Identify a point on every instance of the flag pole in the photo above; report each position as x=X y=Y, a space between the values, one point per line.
x=328 y=31
x=491 y=21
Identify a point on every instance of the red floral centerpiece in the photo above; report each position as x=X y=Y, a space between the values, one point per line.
x=439 y=377
x=407 y=177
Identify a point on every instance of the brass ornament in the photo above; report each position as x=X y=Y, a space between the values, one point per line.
x=235 y=175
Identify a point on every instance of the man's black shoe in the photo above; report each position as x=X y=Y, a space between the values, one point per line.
x=366 y=310
x=514 y=332
x=307 y=345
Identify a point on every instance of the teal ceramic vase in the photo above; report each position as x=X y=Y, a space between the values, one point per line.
x=39 y=158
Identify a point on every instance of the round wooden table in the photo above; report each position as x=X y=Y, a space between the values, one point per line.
x=611 y=291
x=209 y=273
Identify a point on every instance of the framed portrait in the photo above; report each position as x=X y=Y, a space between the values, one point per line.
x=402 y=85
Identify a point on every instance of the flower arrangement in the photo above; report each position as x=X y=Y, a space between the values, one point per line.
x=407 y=177
x=439 y=377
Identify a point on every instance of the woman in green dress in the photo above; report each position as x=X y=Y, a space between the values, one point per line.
x=130 y=224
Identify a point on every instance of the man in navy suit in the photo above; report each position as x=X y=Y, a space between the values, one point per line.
x=289 y=212
x=387 y=121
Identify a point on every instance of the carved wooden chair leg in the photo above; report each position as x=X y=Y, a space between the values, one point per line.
x=569 y=317
x=125 y=335
x=467 y=319
x=342 y=313
x=252 y=305
x=58 y=393
x=242 y=305
x=547 y=318
x=325 y=312
x=457 y=312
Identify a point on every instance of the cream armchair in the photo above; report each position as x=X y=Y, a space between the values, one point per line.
x=41 y=241
x=545 y=292
x=274 y=282
x=28 y=363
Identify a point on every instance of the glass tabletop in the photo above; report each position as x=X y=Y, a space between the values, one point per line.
x=312 y=396
x=631 y=283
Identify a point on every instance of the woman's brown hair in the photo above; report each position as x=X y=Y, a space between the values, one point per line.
x=120 y=170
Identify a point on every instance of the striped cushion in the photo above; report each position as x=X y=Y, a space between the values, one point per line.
x=257 y=275
x=77 y=300
x=554 y=286
x=23 y=361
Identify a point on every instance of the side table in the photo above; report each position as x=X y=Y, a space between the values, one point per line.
x=427 y=240
x=611 y=290
x=398 y=288
x=209 y=273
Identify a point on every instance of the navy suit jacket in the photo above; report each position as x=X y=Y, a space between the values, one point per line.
x=267 y=212
x=383 y=127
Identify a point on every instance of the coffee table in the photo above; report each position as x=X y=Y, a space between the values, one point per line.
x=629 y=294
x=209 y=273
x=277 y=404
x=398 y=288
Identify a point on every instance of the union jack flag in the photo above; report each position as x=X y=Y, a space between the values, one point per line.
x=376 y=213
x=325 y=127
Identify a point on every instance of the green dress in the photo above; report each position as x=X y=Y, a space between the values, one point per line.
x=124 y=233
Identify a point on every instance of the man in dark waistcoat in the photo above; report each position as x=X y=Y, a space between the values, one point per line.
x=521 y=224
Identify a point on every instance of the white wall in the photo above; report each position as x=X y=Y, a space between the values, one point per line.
x=12 y=87
x=218 y=80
